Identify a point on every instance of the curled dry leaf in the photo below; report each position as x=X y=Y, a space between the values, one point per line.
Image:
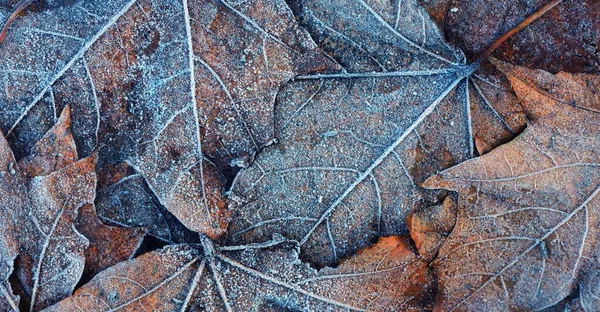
x=353 y=146
x=387 y=276
x=157 y=84
x=41 y=196
x=429 y=227
x=527 y=233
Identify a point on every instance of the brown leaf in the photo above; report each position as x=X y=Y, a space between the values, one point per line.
x=430 y=226
x=11 y=199
x=158 y=84
x=41 y=197
x=564 y=39
x=54 y=151
x=130 y=203
x=108 y=245
x=528 y=211
x=388 y=276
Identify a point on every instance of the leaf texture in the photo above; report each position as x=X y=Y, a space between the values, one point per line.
x=108 y=245
x=353 y=146
x=40 y=197
x=528 y=211
x=258 y=278
x=158 y=84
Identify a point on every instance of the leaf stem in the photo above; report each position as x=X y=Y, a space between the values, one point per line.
x=534 y=16
x=22 y=5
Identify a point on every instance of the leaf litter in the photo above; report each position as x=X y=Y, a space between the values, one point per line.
x=337 y=113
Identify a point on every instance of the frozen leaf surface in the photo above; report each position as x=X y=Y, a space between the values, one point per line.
x=42 y=195
x=158 y=84
x=386 y=276
x=528 y=211
x=11 y=200
x=353 y=146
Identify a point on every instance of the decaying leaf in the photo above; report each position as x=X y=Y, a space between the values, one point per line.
x=527 y=233
x=387 y=276
x=158 y=84
x=429 y=227
x=352 y=146
x=108 y=245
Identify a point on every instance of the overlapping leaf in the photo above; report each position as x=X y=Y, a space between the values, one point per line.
x=157 y=83
x=386 y=276
x=40 y=197
x=527 y=229
x=352 y=146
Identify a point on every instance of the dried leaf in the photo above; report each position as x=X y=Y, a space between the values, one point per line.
x=526 y=231
x=115 y=67
x=352 y=146
x=108 y=245
x=11 y=199
x=564 y=39
x=388 y=276
x=430 y=226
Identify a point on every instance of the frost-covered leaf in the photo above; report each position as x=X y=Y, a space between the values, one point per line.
x=527 y=231
x=385 y=277
x=11 y=199
x=40 y=197
x=130 y=203
x=353 y=146
x=157 y=84
x=108 y=245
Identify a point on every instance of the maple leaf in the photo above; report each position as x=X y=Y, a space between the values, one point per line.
x=353 y=145
x=158 y=84
x=528 y=211
x=386 y=276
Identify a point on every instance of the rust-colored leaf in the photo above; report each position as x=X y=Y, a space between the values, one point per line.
x=430 y=226
x=565 y=39
x=388 y=276
x=527 y=234
x=108 y=245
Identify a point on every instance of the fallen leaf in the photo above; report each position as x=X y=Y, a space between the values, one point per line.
x=108 y=245
x=113 y=63
x=352 y=146
x=387 y=276
x=11 y=198
x=42 y=194
x=526 y=232
x=429 y=227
